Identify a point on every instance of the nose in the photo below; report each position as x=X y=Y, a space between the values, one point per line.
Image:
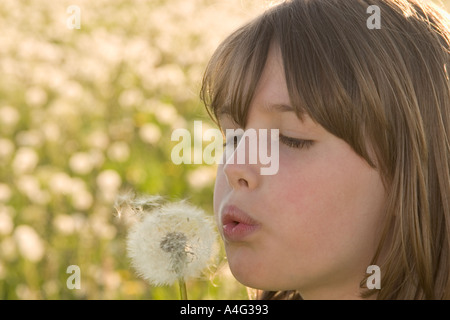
x=242 y=169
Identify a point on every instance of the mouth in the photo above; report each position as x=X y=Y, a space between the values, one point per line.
x=236 y=224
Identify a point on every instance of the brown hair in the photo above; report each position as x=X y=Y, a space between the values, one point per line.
x=384 y=91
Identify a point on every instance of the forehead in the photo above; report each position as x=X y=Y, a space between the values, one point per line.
x=272 y=87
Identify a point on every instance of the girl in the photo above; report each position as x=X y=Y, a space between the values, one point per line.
x=364 y=157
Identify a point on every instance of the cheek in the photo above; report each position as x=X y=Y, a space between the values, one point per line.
x=335 y=178
x=331 y=200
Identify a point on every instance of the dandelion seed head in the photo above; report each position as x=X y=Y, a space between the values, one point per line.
x=171 y=241
x=30 y=244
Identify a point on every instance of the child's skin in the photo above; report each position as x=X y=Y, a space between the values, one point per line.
x=318 y=219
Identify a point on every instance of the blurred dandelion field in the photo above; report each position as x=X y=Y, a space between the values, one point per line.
x=88 y=113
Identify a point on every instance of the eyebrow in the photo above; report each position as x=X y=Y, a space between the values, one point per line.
x=279 y=107
x=273 y=107
x=224 y=111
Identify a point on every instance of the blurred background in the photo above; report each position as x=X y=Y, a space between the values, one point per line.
x=88 y=113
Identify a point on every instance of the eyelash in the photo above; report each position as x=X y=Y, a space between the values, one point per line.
x=288 y=141
x=295 y=143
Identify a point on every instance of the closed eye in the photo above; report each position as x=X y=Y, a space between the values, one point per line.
x=288 y=141
x=295 y=143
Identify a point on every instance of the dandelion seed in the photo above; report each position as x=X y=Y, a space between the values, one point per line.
x=175 y=243
x=168 y=241
x=130 y=209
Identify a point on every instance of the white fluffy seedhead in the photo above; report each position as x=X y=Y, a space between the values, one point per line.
x=170 y=241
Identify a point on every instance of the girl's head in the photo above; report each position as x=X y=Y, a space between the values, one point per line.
x=364 y=155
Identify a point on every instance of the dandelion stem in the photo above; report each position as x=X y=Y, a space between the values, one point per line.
x=183 y=291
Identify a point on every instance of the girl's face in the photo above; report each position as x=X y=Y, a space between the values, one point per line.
x=313 y=226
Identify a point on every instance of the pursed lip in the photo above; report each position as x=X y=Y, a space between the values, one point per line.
x=237 y=225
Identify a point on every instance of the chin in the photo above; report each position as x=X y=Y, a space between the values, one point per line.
x=250 y=271
x=243 y=266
